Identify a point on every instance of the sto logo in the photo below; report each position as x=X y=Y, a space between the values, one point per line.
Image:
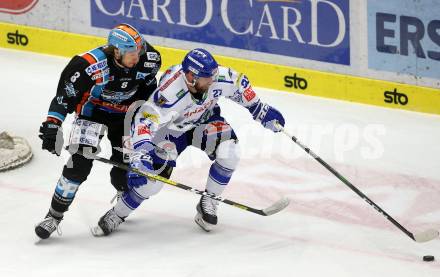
x=17 y=6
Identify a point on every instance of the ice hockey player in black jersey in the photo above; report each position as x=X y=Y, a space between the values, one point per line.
x=98 y=86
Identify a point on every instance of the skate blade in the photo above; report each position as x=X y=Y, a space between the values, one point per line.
x=97 y=231
x=202 y=224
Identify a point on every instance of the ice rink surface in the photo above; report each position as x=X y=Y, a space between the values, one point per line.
x=392 y=156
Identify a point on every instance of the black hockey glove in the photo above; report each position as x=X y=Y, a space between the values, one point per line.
x=51 y=134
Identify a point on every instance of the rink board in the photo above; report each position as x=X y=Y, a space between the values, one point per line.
x=289 y=79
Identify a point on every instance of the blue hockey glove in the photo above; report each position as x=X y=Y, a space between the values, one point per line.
x=141 y=162
x=268 y=116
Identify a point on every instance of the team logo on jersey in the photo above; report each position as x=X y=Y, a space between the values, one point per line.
x=216 y=127
x=152 y=117
x=95 y=67
x=100 y=74
x=149 y=64
x=70 y=89
x=200 y=109
x=143 y=130
x=249 y=94
x=152 y=56
x=161 y=101
x=60 y=100
x=181 y=93
x=141 y=75
x=118 y=96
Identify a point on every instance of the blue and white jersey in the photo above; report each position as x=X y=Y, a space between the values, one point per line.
x=173 y=107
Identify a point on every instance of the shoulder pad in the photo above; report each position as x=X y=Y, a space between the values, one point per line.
x=97 y=60
x=168 y=74
x=152 y=55
x=171 y=87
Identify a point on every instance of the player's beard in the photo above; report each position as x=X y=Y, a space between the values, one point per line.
x=127 y=65
x=199 y=95
x=200 y=91
x=119 y=61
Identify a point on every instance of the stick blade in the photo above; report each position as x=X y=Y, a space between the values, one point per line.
x=426 y=235
x=277 y=206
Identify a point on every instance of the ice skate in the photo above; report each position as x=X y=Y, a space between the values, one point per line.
x=47 y=226
x=206 y=216
x=107 y=224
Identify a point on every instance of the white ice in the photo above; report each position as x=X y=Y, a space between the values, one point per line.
x=392 y=156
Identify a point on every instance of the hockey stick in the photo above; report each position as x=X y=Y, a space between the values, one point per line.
x=272 y=209
x=418 y=237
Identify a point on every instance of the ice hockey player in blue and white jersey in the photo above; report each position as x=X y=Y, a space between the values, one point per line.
x=183 y=111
